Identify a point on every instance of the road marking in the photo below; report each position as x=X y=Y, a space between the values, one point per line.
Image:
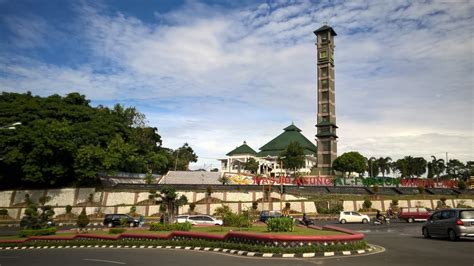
x=106 y=261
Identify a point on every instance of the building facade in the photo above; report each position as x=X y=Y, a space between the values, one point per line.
x=267 y=157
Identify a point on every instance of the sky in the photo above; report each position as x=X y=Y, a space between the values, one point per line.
x=217 y=73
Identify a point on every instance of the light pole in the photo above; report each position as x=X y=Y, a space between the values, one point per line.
x=281 y=183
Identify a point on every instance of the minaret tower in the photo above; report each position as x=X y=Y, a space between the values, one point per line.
x=326 y=123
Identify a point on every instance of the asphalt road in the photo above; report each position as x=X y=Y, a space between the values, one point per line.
x=403 y=245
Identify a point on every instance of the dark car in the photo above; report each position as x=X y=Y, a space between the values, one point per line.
x=265 y=215
x=111 y=220
x=451 y=223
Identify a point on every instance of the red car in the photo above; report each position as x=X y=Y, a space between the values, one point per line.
x=414 y=214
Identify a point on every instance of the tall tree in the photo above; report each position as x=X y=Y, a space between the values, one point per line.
x=373 y=167
x=384 y=165
x=350 y=162
x=454 y=169
x=183 y=157
x=251 y=165
x=63 y=141
x=293 y=157
x=411 y=166
x=436 y=167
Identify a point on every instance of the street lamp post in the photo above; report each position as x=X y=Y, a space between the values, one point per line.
x=281 y=184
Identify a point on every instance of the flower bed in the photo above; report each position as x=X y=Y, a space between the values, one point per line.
x=257 y=240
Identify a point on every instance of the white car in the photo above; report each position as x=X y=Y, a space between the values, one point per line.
x=181 y=218
x=353 y=217
x=203 y=220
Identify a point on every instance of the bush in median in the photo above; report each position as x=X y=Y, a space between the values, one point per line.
x=116 y=230
x=170 y=227
x=280 y=224
x=37 y=232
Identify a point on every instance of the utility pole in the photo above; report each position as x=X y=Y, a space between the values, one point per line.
x=176 y=162
x=281 y=185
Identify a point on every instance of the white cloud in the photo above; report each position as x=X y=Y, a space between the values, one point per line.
x=404 y=73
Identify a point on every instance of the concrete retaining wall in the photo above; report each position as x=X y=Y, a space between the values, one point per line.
x=120 y=201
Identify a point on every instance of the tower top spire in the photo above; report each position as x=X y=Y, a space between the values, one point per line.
x=325 y=27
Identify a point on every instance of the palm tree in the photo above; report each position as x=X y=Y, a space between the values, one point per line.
x=373 y=167
x=384 y=165
x=436 y=166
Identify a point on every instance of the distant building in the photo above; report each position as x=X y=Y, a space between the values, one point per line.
x=267 y=157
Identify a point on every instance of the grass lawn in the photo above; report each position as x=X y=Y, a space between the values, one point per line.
x=224 y=229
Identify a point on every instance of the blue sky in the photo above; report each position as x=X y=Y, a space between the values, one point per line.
x=214 y=74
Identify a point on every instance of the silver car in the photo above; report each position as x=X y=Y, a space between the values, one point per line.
x=451 y=223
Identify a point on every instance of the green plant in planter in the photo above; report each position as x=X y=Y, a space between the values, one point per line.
x=367 y=204
x=280 y=224
x=82 y=219
x=192 y=206
x=68 y=209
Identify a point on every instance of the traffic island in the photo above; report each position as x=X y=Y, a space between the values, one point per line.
x=342 y=242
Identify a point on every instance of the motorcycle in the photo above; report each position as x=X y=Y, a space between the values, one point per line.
x=382 y=220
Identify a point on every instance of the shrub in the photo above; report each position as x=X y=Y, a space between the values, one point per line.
x=68 y=209
x=133 y=209
x=375 y=188
x=421 y=189
x=192 y=206
x=238 y=220
x=37 y=218
x=222 y=211
x=367 y=204
x=82 y=219
x=254 y=205
x=280 y=224
x=3 y=212
x=37 y=232
x=116 y=230
x=461 y=184
x=170 y=227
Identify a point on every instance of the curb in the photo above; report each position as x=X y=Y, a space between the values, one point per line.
x=221 y=250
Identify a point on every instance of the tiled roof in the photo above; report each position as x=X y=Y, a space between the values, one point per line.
x=281 y=142
x=242 y=149
x=188 y=177
x=325 y=28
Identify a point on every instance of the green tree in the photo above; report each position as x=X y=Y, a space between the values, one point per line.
x=82 y=219
x=436 y=167
x=384 y=165
x=63 y=141
x=373 y=167
x=350 y=162
x=169 y=201
x=411 y=166
x=293 y=157
x=251 y=165
x=183 y=157
x=455 y=168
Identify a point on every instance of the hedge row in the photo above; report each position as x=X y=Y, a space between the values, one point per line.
x=351 y=246
x=170 y=227
x=37 y=232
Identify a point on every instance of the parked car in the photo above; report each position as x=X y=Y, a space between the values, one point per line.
x=353 y=217
x=204 y=220
x=265 y=215
x=451 y=223
x=111 y=220
x=413 y=214
x=181 y=218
